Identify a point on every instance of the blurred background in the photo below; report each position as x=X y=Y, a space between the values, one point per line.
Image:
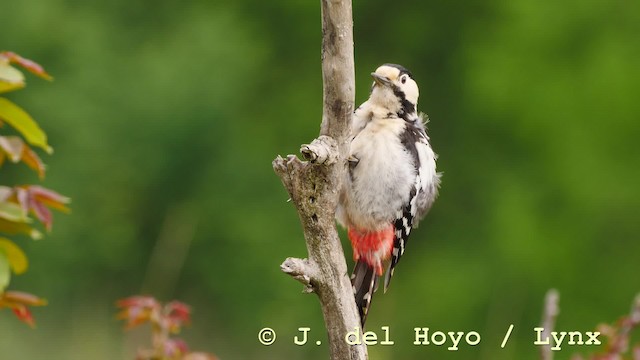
x=165 y=117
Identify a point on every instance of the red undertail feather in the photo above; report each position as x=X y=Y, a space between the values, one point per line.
x=372 y=247
x=370 y=250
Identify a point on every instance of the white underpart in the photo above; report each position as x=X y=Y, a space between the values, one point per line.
x=380 y=184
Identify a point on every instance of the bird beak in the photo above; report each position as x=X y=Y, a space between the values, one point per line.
x=381 y=80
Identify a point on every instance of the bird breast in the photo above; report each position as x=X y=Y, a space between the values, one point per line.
x=380 y=183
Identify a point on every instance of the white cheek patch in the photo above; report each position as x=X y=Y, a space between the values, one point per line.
x=411 y=92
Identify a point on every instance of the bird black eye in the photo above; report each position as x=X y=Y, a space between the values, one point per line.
x=403 y=79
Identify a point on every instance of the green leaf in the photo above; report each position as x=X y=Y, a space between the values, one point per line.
x=13 y=212
x=21 y=121
x=12 y=228
x=16 y=257
x=10 y=78
x=5 y=273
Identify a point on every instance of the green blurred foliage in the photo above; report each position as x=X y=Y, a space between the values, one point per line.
x=165 y=117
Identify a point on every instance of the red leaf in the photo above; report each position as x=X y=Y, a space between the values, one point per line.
x=138 y=301
x=165 y=320
x=30 y=65
x=23 y=313
x=174 y=348
x=37 y=200
x=199 y=356
x=17 y=150
x=18 y=302
x=177 y=314
x=32 y=160
x=137 y=310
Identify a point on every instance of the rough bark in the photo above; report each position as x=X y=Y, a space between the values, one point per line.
x=313 y=186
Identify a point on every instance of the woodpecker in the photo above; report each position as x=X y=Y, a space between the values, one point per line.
x=391 y=181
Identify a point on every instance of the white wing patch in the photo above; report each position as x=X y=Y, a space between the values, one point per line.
x=427 y=168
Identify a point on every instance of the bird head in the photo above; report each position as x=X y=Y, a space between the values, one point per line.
x=394 y=89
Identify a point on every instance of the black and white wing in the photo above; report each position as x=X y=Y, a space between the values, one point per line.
x=423 y=193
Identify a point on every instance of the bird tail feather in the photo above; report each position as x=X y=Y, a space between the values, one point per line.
x=365 y=282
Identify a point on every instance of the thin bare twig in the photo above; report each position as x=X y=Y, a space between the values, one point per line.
x=551 y=311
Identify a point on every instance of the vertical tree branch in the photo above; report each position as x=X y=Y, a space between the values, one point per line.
x=314 y=185
x=338 y=76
